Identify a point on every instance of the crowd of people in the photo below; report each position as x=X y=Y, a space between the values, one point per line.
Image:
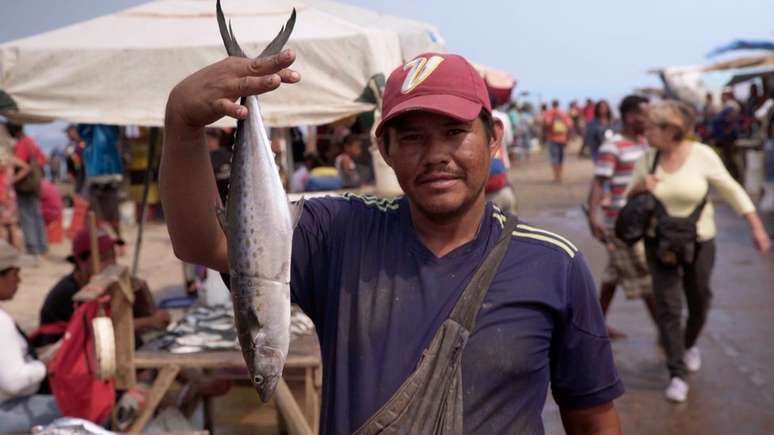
x=32 y=198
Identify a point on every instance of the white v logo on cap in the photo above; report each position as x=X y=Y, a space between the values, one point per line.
x=421 y=68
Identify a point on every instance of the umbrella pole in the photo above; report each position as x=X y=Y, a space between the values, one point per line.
x=154 y=134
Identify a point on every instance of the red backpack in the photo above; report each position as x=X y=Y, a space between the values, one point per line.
x=72 y=376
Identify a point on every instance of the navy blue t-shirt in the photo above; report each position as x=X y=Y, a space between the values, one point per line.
x=377 y=296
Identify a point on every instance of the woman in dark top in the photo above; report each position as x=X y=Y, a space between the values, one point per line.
x=598 y=128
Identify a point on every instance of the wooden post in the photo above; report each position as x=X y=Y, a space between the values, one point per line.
x=149 y=170
x=121 y=302
x=288 y=407
x=160 y=386
x=311 y=138
x=311 y=402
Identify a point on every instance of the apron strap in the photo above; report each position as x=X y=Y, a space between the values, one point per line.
x=466 y=309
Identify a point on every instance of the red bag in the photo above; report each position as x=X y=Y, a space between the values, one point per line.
x=72 y=376
x=496 y=182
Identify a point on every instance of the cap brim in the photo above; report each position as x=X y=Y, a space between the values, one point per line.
x=21 y=262
x=449 y=105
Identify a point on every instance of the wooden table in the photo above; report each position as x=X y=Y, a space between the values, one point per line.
x=304 y=354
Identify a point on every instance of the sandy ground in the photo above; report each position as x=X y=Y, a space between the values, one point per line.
x=732 y=394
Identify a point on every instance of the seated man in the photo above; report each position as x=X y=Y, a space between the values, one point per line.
x=20 y=371
x=59 y=306
x=345 y=162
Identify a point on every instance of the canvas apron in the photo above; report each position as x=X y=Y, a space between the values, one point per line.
x=430 y=400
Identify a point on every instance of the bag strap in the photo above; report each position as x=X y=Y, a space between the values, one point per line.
x=30 y=350
x=654 y=165
x=469 y=304
x=56 y=328
x=696 y=213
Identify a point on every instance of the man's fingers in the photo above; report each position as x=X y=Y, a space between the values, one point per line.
x=245 y=86
x=289 y=76
x=270 y=65
x=226 y=107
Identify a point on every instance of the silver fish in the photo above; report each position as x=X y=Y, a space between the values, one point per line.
x=259 y=224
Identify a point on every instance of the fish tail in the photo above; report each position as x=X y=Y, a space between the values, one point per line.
x=232 y=46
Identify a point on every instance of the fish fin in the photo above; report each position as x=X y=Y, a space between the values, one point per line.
x=220 y=212
x=279 y=41
x=296 y=209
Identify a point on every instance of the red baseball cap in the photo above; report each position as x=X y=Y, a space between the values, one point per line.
x=82 y=243
x=436 y=82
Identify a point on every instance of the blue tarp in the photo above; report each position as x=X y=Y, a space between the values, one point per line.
x=742 y=44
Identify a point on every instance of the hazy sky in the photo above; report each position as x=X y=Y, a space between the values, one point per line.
x=557 y=48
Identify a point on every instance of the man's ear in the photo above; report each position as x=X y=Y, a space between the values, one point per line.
x=383 y=147
x=497 y=136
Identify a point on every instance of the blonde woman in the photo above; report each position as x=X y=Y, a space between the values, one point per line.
x=683 y=175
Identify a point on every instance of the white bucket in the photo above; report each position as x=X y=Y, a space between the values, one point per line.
x=128 y=212
x=386 y=182
x=215 y=290
x=754 y=173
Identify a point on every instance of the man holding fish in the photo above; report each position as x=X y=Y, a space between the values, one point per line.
x=436 y=312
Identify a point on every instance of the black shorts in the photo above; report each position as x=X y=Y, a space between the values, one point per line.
x=104 y=201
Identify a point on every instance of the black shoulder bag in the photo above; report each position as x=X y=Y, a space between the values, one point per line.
x=676 y=237
x=634 y=218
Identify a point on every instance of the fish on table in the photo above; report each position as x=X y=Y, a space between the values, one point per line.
x=259 y=222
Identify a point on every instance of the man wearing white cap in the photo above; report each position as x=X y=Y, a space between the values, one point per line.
x=20 y=371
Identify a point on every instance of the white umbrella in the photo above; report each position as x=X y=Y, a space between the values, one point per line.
x=119 y=68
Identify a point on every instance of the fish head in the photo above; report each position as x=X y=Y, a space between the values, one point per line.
x=269 y=363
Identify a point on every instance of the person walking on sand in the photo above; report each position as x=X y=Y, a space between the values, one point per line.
x=28 y=197
x=626 y=266
x=556 y=128
x=681 y=263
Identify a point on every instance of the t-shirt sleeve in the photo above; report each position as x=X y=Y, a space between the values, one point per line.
x=58 y=306
x=312 y=244
x=641 y=169
x=583 y=373
x=17 y=374
x=719 y=178
x=607 y=160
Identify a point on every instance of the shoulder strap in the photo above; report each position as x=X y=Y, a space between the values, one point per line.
x=30 y=350
x=467 y=307
x=696 y=213
x=654 y=165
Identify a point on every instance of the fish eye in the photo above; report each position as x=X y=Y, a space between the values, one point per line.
x=258 y=379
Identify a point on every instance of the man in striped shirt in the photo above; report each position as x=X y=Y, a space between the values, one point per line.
x=612 y=171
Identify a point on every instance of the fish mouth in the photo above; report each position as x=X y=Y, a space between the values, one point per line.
x=265 y=385
x=268 y=365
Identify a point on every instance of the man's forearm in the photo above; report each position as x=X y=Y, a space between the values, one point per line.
x=189 y=196
x=598 y=420
x=595 y=196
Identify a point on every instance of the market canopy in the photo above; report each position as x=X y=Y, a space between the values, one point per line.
x=747 y=74
x=119 y=68
x=741 y=62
